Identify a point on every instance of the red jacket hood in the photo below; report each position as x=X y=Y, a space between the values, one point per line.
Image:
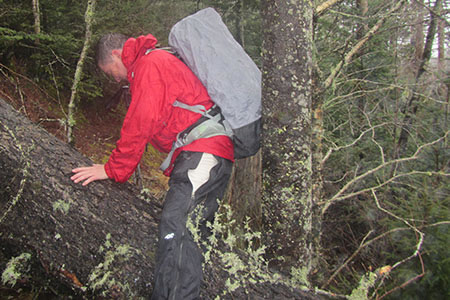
x=136 y=47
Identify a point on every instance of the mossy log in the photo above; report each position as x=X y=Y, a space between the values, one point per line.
x=101 y=237
x=95 y=240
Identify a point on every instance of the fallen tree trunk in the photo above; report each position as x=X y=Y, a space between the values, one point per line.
x=101 y=236
x=99 y=239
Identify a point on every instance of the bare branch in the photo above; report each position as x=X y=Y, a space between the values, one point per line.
x=408 y=281
x=393 y=178
x=339 y=195
x=320 y=9
x=358 y=46
x=331 y=150
x=419 y=244
x=421 y=234
x=29 y=80
x=365 y=244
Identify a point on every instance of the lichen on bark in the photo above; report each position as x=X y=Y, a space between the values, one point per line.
x=287 y=156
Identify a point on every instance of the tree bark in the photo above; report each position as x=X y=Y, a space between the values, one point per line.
x=411 y=106
x=37 y=18
x=287 y=94
x=244 y=192
x=71 y=229
x=94 y=240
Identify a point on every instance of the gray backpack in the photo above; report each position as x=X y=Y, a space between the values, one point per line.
x=232 y=79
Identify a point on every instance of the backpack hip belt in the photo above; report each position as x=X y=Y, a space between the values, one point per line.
x=212 y=123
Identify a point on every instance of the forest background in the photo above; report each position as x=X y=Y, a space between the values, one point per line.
x=353 y=186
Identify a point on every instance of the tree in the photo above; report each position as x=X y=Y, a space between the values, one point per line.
x=89 y=19
x=37 y=18
x=422 y=57
x=287 y=92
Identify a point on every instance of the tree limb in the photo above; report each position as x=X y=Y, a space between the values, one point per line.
x=328 y=82
x=339 y=195
x=321 y=8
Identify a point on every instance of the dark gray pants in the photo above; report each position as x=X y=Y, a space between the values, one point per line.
x=197 y=179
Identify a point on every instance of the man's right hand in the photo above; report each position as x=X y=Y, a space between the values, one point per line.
x=89 y=174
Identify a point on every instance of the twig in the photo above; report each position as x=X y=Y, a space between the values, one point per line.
x=361 y=246
x=338 y=195
x=419 y=244
x=408 y=281
x=331 y=150
x=365 y=244
x=28 y=79
x=320 y=9
x=358 y=46
x=393 y=178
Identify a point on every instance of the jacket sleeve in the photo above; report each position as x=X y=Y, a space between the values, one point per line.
x=140 y=123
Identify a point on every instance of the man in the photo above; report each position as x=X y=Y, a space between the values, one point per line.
x=199 y=171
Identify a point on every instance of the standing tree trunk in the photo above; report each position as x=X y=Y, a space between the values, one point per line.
x=37 y=18
x=244 y=192
x=287 y=93
x=411 y=106
x=89 y=18
x=239 y=23
x=363 y=27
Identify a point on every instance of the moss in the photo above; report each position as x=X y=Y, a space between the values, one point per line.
x=106 y=274
x=366 y=282
x=299 y=277
x=16 y=269
x=62 y=206
x=241 y=273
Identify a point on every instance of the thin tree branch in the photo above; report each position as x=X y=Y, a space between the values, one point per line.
x=321 y=8
x=419 y=244
x=365 y=244
x=329 y=81
x=433 y=12
x=393 y=178
x=29 y=80
x=338 y=196
x=331 y=150
x=361 y=245
x=408 y=281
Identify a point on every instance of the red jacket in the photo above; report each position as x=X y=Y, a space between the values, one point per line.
x=156 y=81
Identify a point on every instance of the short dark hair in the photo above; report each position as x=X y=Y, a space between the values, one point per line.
x=106 y=44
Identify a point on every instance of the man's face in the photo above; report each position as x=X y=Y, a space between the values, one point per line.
x=115 y=68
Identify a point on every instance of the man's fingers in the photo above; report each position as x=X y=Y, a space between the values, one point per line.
x=80 y=169
x=89 y=180
x=80 y=176
x=88 y=174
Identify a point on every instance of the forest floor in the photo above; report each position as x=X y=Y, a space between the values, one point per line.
x=95 y=135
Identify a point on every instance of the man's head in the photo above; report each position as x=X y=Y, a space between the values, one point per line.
x=109 y=55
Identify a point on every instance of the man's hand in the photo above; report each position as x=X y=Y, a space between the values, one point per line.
x=89 y=174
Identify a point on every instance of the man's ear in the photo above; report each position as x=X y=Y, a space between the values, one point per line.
x=116 y=52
